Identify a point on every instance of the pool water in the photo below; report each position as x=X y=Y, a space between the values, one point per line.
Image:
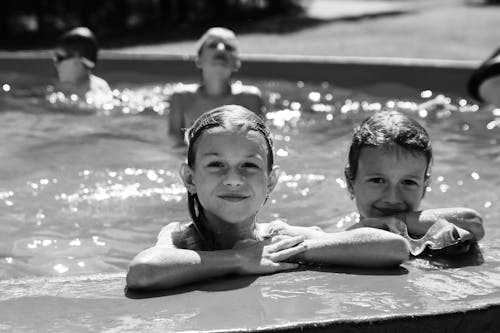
x=84 y=187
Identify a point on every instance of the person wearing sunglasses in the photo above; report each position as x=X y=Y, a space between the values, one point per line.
x=218 y=60
x=75 y=58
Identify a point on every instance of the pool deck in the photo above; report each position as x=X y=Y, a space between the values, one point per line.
x=438 y=295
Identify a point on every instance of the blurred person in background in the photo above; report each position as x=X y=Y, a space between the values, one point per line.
x=218 y=59
x=75 y=58
x=484 y=83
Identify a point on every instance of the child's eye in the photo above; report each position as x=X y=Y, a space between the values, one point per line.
x=215 y=164
x=250 y=165
x=376 y=180
x=409 y=182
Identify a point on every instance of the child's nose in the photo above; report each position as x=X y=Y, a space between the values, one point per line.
x=221 y=46
x=392 y=194
x=233 y=178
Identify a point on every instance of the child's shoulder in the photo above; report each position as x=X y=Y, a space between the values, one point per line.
x=186 y=89
x=244 y=89
x=99 y=84
x=180 y=235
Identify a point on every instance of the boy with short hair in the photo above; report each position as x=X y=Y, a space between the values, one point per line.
x=387 y=173
x=75 y=57
x=218 y=59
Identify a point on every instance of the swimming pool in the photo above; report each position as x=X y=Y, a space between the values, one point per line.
x=83 y=190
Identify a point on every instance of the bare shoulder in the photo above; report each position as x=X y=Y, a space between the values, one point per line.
x=98 y=84
x=183 y=89
x=171 y=234
x=246 y=90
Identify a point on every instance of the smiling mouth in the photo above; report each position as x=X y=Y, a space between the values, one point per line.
x=232 y=198
x=389 y=211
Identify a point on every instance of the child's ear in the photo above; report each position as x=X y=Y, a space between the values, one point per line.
x=427 y=182
x=273 y=178
x=348 y=180
x=197 y=61
x=237 y=65
x=186 y=174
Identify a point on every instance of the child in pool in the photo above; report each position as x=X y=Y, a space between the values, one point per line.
x=75 y=57
x=484 y=83
x=387 y=173
x=229 y=175
x=217 y=58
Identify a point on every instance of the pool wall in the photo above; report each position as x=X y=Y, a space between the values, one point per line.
x=442 y=76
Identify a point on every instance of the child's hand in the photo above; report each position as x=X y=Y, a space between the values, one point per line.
x=268 y=256
x=389 y=223
x=279 y=227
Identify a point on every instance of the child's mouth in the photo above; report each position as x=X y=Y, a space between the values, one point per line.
x=389 y=211
x=232 y=198
x=221 y=58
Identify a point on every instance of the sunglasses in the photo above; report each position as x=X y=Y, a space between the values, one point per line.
x=58 y=57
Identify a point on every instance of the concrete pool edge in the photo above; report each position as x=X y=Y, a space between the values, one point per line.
x=483 y=318
x=444 y=76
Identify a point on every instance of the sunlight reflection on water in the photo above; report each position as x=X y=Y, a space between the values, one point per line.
x=83 y=193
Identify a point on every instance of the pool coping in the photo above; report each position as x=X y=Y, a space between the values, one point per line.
x=444 y=76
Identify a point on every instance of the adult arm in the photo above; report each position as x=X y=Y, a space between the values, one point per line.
x=163 y=266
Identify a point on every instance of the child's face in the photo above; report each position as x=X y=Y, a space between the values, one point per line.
x=231 y=175
x=388 y=182
x=69 y=66
x=219 y=52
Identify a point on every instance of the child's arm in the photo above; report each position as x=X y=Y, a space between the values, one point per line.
x=363 y=247
x=162 y=267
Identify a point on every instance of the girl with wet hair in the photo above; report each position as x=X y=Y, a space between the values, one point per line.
x=229 y=175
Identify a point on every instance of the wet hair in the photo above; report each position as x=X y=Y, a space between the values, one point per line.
x=219 y=32
x=488 y=69
x=82 y=41
x=233 y=118
x=388 y=130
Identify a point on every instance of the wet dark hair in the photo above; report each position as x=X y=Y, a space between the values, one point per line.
x=80 y=40
x=234 y=118
x=388 y=130
x=488 y=69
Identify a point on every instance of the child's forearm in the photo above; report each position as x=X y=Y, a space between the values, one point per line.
x=161 y=268
x=419 y=222
x=363 y=247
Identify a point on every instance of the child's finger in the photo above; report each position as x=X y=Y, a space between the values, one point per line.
x=288 y=253
x=284 y=266
x=286 y=243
